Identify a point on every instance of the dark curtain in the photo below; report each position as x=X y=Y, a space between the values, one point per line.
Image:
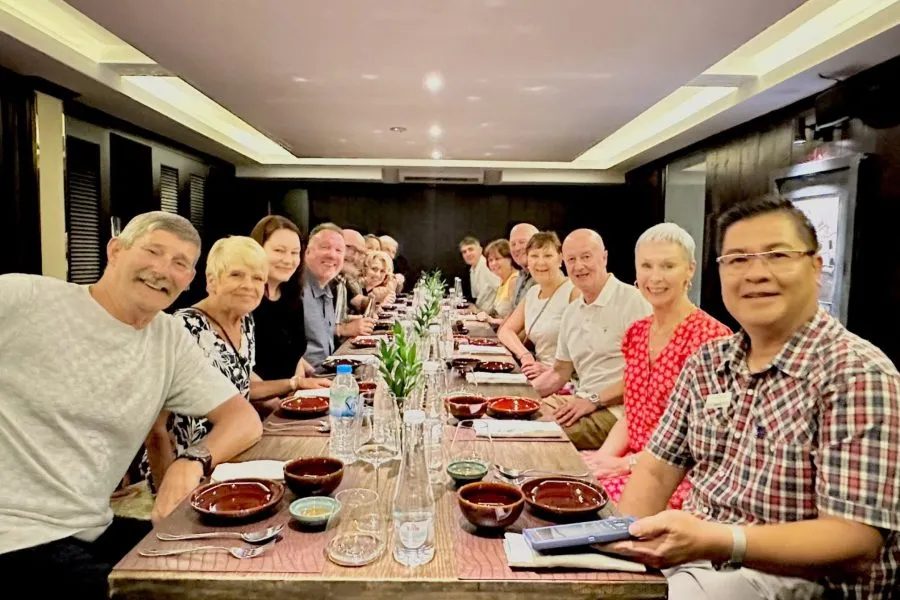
x=20 y=219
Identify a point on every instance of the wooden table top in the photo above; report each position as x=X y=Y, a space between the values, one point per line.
x=385 y=578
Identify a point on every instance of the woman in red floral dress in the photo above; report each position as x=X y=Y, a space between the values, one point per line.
x=655 y=350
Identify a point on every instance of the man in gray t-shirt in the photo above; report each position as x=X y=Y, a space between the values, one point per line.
x=84 y=372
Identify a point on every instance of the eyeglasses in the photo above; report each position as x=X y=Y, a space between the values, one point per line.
x=775 y=260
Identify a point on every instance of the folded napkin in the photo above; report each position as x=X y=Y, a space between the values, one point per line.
x=520 y=554
x=508 y=378
x=473 y=349
x=500 y=429
x=261 y=469
x=308 y=393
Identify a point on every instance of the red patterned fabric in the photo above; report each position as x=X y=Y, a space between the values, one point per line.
x=648 y=386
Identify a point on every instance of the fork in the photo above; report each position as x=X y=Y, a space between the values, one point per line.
x=236 y=552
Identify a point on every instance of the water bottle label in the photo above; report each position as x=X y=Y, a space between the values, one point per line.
x=414 y=534
x=351 y=403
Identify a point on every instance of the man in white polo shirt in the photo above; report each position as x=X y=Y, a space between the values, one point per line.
x=590 y=340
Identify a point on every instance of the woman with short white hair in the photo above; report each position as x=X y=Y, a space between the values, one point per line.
x=222 y=325
x=378 y=276
x=655 y=349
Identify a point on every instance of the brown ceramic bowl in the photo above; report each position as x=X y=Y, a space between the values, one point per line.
x=313 y=476
x=382 y=326
x=462 y=305
x=237 y=499
x=361 y=343
x=366 y=386
x=464 y=406
x=459 y=328
x=330 y=365
x=512 y=407
x=495 y=366
x=490 y=505
x=463 y=364
x=483 y=342
x=304 y=408
x=564 y=498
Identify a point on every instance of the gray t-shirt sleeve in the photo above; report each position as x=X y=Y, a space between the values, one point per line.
x=197 y=386
x=16 y=293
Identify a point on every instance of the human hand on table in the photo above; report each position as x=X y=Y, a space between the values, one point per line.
x=181 y=478
x=603 y=465
x=673 y=537
x=312 y=383
x=357 y=327
x=533 y=369
x=569 y=413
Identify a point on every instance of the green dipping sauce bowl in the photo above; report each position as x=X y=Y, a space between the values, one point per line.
x=466 y=471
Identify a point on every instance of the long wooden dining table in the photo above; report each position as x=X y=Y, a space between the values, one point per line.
x=464 y=566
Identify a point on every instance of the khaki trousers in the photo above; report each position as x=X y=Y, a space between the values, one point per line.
x=590 y=431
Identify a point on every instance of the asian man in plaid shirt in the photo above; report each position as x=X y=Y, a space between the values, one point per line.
x=789 y=432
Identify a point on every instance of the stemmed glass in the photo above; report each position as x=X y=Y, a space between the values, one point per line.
x=377 y=438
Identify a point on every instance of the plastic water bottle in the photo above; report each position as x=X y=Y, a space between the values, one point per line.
x=343 y=403
x=413 y=507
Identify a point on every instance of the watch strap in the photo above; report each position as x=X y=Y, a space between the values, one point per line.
x=738 y=546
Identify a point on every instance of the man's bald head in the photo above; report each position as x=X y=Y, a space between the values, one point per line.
x=389 y=245
x=518 y=241
x=585 y=258
x=355 y=257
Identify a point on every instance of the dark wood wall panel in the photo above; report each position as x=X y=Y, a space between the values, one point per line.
x=429 y=221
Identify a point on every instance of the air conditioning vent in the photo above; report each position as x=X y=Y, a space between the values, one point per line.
x=446 y=176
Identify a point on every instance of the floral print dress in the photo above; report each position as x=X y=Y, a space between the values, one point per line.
x=649 y=384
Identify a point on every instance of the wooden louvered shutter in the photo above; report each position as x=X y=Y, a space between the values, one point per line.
x=83 y=210
x=168 y=189
x=198 y=185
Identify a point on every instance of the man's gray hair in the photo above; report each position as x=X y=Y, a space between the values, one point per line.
x=669 y=232
x=158 y=220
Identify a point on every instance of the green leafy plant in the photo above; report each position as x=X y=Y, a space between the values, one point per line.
x=400 y=366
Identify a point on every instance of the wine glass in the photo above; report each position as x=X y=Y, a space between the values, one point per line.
x=377 y=438
x=471 y=455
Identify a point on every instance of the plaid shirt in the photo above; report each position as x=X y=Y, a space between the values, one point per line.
x=817 y=432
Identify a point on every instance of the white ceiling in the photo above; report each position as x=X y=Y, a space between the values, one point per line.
x=535 y=80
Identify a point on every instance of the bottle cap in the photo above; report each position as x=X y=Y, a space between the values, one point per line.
x=344 y=369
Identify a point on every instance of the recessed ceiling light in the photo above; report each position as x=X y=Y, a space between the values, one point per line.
x=398 y=129
x=377 y=131
x=369 y=77
x=435 y=131
x=433 y=82
x=488 y=153
x=485 y=124
x=535 y=88
x=437 y=154
x=300 y=79
x=473 y=98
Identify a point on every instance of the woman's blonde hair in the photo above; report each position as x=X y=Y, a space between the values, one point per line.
x=236 y=250
x=385 y=259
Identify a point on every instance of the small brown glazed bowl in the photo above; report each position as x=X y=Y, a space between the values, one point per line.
x=361 y=343
x=512 y=407
x=464 y=364
x=564 y=498
x=490 y=505
x=495 y=366
x=484 y=342
x=237 y=499
x=304 y=408
x=466 y=406
x=313 y=476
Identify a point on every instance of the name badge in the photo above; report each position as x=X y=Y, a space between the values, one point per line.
x=718 y=400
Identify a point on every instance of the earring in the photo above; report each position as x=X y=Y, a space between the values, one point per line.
x=635 y=283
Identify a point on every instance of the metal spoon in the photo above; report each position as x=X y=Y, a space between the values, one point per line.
x=320 y=426
x=511 y=473
x=241 y=553
x=251 y=537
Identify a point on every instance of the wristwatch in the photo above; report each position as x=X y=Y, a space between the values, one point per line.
x=738 y=550
x=199 y=453
x=594 y=399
